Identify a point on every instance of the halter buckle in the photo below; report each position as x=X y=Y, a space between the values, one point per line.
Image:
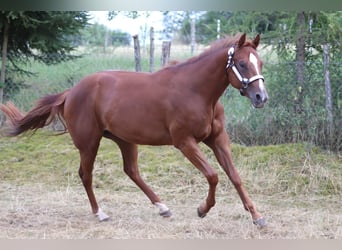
x=231 y=51
x=230 y=57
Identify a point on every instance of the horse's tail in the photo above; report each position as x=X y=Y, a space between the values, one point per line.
x=41 y=115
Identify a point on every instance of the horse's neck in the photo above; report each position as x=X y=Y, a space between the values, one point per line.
x=208 y=77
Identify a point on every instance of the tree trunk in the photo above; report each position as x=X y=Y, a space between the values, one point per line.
x=300 y=58
x=328 y=98
x=3 y=59
x=151 y=49
x=166 y=49
x=3 y=64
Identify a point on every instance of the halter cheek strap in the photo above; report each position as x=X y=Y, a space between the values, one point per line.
x=245 y=81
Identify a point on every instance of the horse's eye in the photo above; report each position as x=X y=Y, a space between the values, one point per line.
x=242 y=65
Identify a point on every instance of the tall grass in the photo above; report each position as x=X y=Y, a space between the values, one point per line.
x=48 y=79
x=286 y=169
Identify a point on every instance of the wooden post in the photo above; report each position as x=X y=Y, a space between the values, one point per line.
x=166 y=46
x=151 y=49
x=137 y=55
x=328 y=98
x=193 y=36
x=105 y=44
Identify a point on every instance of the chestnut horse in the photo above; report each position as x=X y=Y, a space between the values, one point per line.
x=177 y=105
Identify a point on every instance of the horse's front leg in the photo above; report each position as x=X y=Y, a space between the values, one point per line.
x=191 y=151
x=220 y=144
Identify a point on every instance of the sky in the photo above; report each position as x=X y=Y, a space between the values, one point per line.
x=129 y=25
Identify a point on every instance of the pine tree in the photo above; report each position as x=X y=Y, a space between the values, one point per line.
x=46 y=36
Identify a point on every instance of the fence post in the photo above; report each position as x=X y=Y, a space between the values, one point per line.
x=151 y=49
x=166 y=46
x=137 y=55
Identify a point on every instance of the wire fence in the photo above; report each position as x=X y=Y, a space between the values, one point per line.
x=279 y=122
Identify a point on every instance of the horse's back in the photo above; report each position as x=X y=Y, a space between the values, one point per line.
x=124 y=104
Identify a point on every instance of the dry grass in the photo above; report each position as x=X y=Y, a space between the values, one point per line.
x=42 y=197
x=36 y=211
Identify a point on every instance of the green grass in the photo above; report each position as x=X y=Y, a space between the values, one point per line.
x=290 y=169
x=48 y=79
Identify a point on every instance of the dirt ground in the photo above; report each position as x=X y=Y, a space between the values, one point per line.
x=40 y=211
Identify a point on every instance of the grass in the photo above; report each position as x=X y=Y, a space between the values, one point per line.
x=296 y=186
x=56 y=78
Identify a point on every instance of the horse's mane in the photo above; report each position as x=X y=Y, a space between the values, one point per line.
x=225 y=42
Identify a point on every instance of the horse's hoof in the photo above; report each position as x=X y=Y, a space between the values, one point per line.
x=166 y=214
x=200 y=214
x=104 y=219
x=260 y=222
x=101 y=215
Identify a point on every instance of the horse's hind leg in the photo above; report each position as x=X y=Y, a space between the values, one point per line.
x=130 y=159
x=87 y=140
x=88 y=156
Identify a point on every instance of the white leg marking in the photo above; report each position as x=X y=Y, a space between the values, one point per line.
x=162 y=207
x=101 y=215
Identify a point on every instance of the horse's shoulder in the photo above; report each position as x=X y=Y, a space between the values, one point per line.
x=219 y=119
x=218 y=110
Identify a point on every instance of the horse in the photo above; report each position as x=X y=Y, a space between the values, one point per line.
x=177 y=105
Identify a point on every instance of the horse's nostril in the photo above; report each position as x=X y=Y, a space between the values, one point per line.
x=258 y=97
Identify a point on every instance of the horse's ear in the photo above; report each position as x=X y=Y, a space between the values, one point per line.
x=256 y=40
x=242 y=40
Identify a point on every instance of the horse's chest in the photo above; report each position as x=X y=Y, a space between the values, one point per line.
x=200 y=128
x=202 y=133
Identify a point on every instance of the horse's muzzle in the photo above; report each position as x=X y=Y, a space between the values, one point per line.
x=259 y=99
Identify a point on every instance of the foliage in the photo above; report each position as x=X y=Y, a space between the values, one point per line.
x=45 y=36
x=41 y=34
x=99 y=35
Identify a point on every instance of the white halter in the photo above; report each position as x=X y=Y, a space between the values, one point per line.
x=245 y=81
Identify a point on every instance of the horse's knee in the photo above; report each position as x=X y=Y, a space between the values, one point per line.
x=86 y=179
x=237 y=182
x=235 y=179
x=80 y=172
x=131 y=172
x=212 y=178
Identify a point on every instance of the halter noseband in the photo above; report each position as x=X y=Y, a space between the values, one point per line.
x=245 y=81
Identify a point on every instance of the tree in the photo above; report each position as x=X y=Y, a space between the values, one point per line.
x=45 y=36
x=300 y=59
x=100 y=36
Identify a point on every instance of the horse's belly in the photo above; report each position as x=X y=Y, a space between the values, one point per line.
x=141 y=132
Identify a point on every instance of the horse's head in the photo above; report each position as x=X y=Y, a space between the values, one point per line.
x=244 y=70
